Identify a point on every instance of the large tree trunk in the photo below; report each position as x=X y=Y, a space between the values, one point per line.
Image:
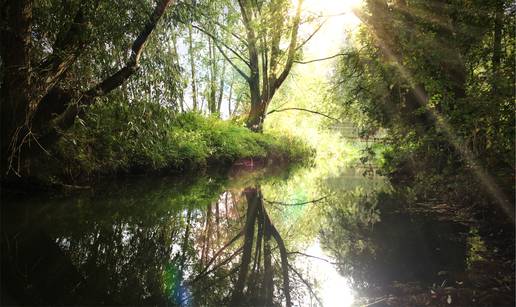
x=254 y=120
x=283 y=256
x=268 y=286
x=15 y=92
x=257 y=114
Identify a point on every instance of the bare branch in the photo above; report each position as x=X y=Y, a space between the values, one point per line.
x=311 y=35
x=306 y=284
x=304 y=110
x=331 y=15
x=295 y=204
x=203 y=289
x=224 y=262
x=315 y=257
x=223 y=44
x=218 y=253
x=323 y=59
x=243 y=74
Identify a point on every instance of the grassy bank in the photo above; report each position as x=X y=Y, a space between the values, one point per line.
x=117 y=138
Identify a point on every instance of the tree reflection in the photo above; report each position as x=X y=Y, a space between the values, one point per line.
x=260 y=291
x=251 y=266
x=173 y=245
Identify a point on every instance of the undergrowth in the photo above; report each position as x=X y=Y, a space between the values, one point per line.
x=116 y=137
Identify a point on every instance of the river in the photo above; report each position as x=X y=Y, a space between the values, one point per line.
x=249 y=237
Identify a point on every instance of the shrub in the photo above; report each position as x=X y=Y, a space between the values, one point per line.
x=119 y=137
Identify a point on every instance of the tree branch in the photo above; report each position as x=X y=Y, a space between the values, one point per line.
x=315 y=257
x=67 y=118
x=311 y=35
x=218 y=253
x=224 y=262
x=223 y=44
x=296 y=204
x=291 y=49
x=306 y=284
x=243 y=74
x=304 y=110
x=189 y=297
x=223 y=27
x=323 y=59
x=140 y=41
x=240 y=72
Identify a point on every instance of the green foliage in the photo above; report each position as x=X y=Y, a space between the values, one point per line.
x=111 y=29
x=117 y=136
x=439 y=77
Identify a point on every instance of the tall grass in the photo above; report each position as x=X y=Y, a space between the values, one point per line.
x=117 y=137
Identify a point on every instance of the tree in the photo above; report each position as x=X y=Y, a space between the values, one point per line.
x=267 y=49
x=192 y=67
x=256 y=213
x=422 y=72
x=35 y=107
x=431 y=72
x=267 y=26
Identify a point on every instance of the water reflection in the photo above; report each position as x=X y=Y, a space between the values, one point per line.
x=387 y=252
x=174 y=245
x=257 y=239
x=335 y=290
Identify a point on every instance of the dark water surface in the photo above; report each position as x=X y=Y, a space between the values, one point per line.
x=252 y=238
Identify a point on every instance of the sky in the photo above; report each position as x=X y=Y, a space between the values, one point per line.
x=332 y=36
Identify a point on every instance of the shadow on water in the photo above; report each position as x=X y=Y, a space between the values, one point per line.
x=399 y=248
x=242 y=240
x=401 y=257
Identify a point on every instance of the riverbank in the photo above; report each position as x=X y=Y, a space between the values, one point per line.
x=112 y=141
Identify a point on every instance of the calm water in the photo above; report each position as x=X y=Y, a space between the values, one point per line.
x=337 y=237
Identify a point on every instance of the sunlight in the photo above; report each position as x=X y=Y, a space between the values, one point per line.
x=334 y=289
x=339 y=20
x=332 y=7
x=455 y=140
